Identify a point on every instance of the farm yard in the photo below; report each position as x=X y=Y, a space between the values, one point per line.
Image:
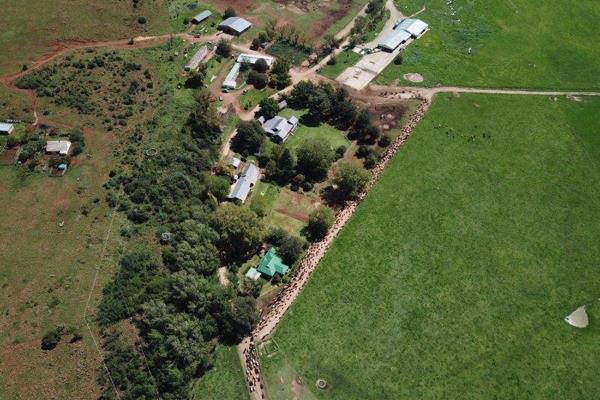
x=495 y=44
x=467 y=255
x=170 y=190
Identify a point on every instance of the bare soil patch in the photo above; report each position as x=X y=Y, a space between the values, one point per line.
x=239 y=6
x=413 y=77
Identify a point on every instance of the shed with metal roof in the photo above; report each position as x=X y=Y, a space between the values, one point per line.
x=195 y=61
x=242 y=187
x=61 y=147
x=415 y=27
x=234 y=25
x=394 y=39
x=201 y=17
x=6 y=129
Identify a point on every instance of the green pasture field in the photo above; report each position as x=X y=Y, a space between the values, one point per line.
x=225 y=381
x=14 y=106
x=514 y=44
x=345 y=59
x=32 y=30
x=453 y=277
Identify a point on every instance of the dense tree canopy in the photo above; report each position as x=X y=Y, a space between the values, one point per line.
x=314 y=158
x=240 y=231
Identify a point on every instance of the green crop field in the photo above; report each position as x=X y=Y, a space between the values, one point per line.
x=516 y=44
x=452 y=279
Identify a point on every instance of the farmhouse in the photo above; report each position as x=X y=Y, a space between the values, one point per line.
x=242 y=187
x=61 y=147
x=279 y=128
x=201 y=17
x=230 y=82
x=415 y=27
x=195 y=61
x=394 y=39
x=253 y=58
x=6 y=129
x=271 y=264
x=234 y=26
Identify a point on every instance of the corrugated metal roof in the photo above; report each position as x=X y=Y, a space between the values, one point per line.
x=271 y=263
x=395 y=38
x=237 y=24
x=415 y=27
x=202 y=16
x=197 y=58
x=231 y=78
x=279 y=126
x=4 y=127
x=253 y=58
x=248 y=178
x=58 y=146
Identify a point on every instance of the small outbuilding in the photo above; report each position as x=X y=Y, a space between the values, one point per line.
x=271 y=264
x=279 y=128
x=253 y=58
x=203 y=16
x=195 y=61
x=230 y=82
x=6 y=129
x=234 y=25
x=235 y=162
x=252 y=274
x=247 y=180
x=60 y=147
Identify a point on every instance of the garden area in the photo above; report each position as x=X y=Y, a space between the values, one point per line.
x=467 y=254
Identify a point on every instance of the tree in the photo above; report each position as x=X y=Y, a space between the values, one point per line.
x=229 y=12
x=319 y=107
x=291 y=249
x=329 y=43
x=203 y=120
x=224 y=48
x=52 y=337
x=280 y=76
x=240 y=231
x=257 y=79
x=350 y=179
x=195 y=80
x=249 y=138
x=314 y=158
x=319 y=222
x=269 y=108
x=261 y=66
x=343 y=114
x=301 y=93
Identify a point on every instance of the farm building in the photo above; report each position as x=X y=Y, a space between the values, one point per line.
x=201 y=17
x=230 y=82
x=235 y=162
x=195 y=61
x=279 y=128
x=242 y=187
x=415 y=27
x=61 y=147
x=394 y=39
x=253 y=58
x=271 y=264
x=6 y=129
x=234 y=25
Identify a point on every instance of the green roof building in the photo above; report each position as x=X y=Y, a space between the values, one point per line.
x=271 y=264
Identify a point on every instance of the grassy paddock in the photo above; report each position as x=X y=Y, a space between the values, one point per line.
x=453 y=277
x=225 y=381
x=344 y=60
x=30 y=31
x=517 y=43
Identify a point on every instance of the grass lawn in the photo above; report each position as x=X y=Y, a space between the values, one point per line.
x=333 y=136
x=225 y=381
x=506 y=51
x=452 y=279
x=27 y=34
x=14 y=106
x=345 y=59
x=253 y=96
x=281 y=49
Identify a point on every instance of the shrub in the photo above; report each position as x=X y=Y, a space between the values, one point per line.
x=319 y=222
x=229 y=12
x=141 y=20
x=52 y=337
x=223 y=48
x=384 y=141
x=398 y=60
x=339 y=152
x=363 y=151
x=332 y=61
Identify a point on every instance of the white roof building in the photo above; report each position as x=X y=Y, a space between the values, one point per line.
x=201 y=17
x=230 y=82
x=6 y=129
x=235 y=25
x=248 y=178
x=195 y=61
x=279 y=128
x=61 y=147
x=235 y=162
x=415 y=27
x=253 y=58
x=394 y=39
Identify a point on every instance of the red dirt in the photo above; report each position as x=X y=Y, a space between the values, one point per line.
x=238 y=5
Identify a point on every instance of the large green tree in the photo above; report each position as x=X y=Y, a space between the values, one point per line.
x=314 y=158
x=240 y=230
